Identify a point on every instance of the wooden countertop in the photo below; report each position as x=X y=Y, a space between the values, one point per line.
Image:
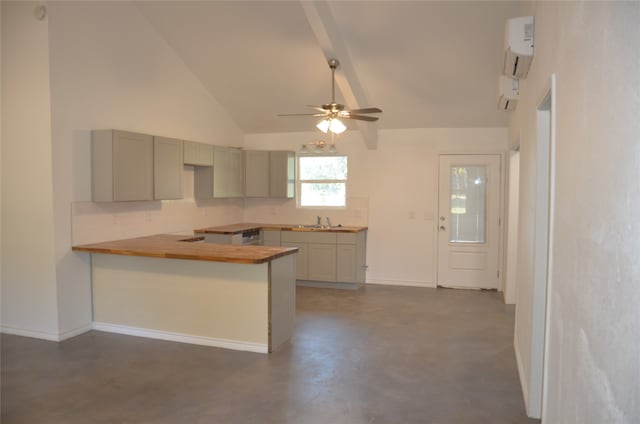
x=185 y=247
x=239 y=228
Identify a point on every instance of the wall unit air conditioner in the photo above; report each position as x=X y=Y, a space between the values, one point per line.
x=518 y=46
x=508 y=93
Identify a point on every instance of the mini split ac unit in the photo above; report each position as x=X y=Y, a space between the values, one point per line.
x=518 y=46
x=508 y=92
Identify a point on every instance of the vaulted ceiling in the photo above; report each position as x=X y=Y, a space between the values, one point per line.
x=425 y=64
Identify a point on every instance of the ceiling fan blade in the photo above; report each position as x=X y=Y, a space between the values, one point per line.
x=317 y=108
x=301 y=114
x=365 y=110
x=361 y=117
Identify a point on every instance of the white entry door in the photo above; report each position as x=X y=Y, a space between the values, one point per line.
x=469 y=221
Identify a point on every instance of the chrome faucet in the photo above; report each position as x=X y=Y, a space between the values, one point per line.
x=328 y=222
x=319 y=221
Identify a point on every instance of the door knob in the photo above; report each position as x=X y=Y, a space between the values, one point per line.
x=442 y=227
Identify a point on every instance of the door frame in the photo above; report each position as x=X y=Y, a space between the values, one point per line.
x=543 y=251
x=501 y=209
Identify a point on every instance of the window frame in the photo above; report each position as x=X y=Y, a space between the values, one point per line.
x=299 y=182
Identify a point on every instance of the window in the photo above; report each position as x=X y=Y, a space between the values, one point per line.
x=322 y=181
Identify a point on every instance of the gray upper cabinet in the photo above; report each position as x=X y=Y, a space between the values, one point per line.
x=228 y=172
x=121 y=166
x=224 y=179
x=282 y=178
x=256 y=173
x=198 y=154
x=167 y=168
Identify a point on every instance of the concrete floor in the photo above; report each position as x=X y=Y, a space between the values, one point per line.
x=378 y=355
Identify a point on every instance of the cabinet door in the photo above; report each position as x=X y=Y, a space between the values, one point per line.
x=322 y=262
x=282 y=166
x=203 y=182
x=271 y=237
x=346 y=263
x=256 y=173
x=132 y=166
x=228 y=172
x=199 y=154
x=167 y=168
x=301 y=259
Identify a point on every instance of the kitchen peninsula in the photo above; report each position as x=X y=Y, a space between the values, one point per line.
x=175 y=288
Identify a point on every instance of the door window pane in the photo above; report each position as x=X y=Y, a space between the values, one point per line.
x=468 y=204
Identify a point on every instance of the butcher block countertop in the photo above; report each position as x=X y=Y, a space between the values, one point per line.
x=185 y=247
x=239 y=228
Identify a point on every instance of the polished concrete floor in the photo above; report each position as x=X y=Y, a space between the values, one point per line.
x=377 y=355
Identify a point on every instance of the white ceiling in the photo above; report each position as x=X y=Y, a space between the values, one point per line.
x=425 y=64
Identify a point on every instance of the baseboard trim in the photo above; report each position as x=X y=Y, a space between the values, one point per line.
x=52 y=337
x=75 y=332
x=522 y=375
x=34 y=334
x=181 y=337
x=428 y=284
x=328 y=285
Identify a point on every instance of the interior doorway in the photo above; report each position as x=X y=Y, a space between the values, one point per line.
x=469 y=199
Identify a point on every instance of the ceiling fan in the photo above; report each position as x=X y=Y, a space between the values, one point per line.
x=332 y=111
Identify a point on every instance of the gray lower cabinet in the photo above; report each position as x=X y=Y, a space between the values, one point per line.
x=121 y=166
x=167 y=168
x=223 y=238
x=327 y=256
x=351 y=257
x=321 y=264
x=346 y=263
x=198 y=154
x=270 y=237
x=301 y=259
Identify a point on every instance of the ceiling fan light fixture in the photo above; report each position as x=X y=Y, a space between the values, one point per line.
x=336 y=126
x=324 y=125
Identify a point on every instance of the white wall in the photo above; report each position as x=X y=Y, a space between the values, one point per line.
x=28 y=263
x=593 y=345
x=108 y=69
x=513 y=201
x=1 y=165
x=392 y=189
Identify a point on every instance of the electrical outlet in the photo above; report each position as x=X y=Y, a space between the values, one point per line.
x=412 y=215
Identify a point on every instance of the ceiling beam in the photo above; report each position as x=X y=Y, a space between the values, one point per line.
x=326 y=31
